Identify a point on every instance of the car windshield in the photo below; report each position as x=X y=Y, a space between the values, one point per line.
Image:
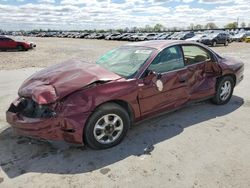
x=125 y=61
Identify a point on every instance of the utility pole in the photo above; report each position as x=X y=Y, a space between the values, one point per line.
x=237 y=22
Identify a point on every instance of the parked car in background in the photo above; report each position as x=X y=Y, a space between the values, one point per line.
x=100 y=36
x=158 y=35
x=230 y=37
x=111 y=36
x=83 y=35
x=173 y=35
x=183 y=36
x=216 y=38
x=121 y=36
x=196 y=38
x=247 y=39
x=147 y=36
x=164 y=36
x=95 y=104
x=127 y=37
x=7 y=43
x=240 y=37
x=135 y=37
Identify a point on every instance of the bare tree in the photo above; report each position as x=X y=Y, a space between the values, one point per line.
x=211 y=25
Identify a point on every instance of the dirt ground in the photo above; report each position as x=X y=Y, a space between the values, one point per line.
x=202 y=145
x=55 y=50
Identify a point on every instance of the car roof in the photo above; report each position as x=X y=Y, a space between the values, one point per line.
x=159 y=44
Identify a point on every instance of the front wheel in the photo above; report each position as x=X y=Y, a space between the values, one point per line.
x=107 y=126
x=214 y=43
x=20 y=48
x=226 y=43
x=224 y=90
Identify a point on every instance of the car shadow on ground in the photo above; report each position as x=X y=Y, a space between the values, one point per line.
x=20 y=155
x=15 y=50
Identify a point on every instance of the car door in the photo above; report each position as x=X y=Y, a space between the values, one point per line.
x=9 y=43
x=221 y=38
x=202 y=71
x=224 y=37
x=166 y=87
x=4 y=43
x=1 y=43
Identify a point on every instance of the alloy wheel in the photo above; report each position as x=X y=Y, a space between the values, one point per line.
x=108 y=128
x=225 y=90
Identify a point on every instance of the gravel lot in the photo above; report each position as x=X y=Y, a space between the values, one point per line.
x=199 y=146
x=55 y=50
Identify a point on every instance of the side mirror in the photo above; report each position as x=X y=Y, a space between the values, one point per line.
x=151 y=76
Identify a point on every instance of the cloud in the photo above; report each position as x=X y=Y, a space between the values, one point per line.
x=105 y=14
x=215 y=1
x=46 y=1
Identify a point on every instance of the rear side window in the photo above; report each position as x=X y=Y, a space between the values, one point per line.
x=194 y=54
x=169 y=59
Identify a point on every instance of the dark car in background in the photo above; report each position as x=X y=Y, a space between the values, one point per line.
x=95 y=104
x=7 y=43
x=216 y=38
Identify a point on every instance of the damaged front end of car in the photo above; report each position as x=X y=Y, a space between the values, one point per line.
x=53 y=104
x=61 y=121
x=29 y=108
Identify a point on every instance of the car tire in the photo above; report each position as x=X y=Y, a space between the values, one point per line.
x=20 y=48
x=226 y=43
x=214 y=43
x=224 y=90
x=102 y=130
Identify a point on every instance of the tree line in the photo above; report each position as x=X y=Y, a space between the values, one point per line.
x=156 y=28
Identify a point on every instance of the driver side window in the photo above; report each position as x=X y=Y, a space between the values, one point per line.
x=169 y=59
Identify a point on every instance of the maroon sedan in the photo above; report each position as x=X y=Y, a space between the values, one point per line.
x=7 y=43
x=96 y=104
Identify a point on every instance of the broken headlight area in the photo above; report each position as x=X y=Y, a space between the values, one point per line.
x=29 y=108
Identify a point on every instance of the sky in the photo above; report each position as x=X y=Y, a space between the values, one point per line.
x=114 y=14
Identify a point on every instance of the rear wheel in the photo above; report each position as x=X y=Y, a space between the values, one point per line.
x=224 y=90
x=107 y=126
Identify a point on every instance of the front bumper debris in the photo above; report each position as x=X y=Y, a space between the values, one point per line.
x=40 y=121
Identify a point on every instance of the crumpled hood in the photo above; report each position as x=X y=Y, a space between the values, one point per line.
x=56 y=82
